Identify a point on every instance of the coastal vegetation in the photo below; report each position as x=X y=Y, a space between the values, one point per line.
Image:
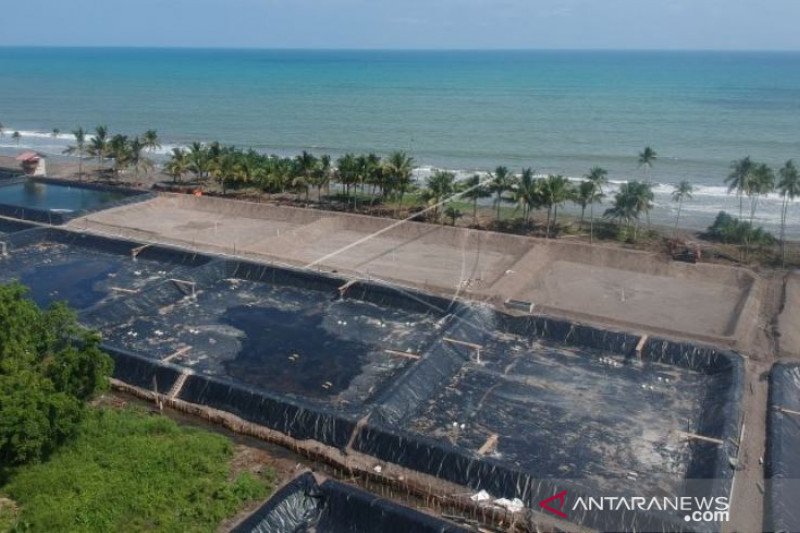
x=386 y=186
x=68 y=463
x=49 y=368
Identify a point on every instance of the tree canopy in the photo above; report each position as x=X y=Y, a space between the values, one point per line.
x=49 y=367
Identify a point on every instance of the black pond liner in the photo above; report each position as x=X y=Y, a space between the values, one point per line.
x=13 y=226
x=300 y=418
x=58 y=218
x=783 y=450
x=383 y=436
x=333 y=507
x=80 y=277
x=383 y=439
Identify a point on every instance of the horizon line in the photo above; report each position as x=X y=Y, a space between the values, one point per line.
x=391 y=49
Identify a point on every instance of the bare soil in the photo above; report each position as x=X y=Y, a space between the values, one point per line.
x=637 y=290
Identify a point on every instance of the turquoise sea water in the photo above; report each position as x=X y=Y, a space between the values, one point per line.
x=557 y=111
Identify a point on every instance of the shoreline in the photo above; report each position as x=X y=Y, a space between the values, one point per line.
x=699 y=213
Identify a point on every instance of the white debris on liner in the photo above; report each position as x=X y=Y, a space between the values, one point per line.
x=480 y=496
x=514 y=505
x=378 y=468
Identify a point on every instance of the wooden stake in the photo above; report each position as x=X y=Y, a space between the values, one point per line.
x=126 y=291
x=490 y=444
x=640 y=346
x=788 y=411
x=407 y=355
x=695 y=436
x=177 y=353
x=139 y=249
x=464 y=343
x=343 y=288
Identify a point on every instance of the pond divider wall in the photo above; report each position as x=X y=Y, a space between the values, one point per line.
x=58 y=218
x=380 y=437
x=112 y=245
x=783 y=449
x=303 y=503
x=12 y=226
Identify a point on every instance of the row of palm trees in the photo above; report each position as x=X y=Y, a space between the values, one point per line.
x=234 y=167
x=530 y=193
x=122 y=150
x=370 y=177
x=755 y=180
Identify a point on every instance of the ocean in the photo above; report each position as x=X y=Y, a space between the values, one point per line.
x=560 y=112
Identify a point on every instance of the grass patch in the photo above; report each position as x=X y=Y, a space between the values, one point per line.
x=131 y=471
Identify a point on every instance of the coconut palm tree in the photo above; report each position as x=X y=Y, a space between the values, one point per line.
x=632 y=199
x=528 y=193
x=322 y=175
x=585 y=196
x=99 y=144
x=738 y=178
x=78 y=149
x=647 y=159
x=136 y=148
x=555 y=191
x=439 y=186
x=683 y=191
x=789 y=187
x=347 y=173
x=16 y=136
x=761 y=182
x=399 y=168
x=502 y=182
x=474 y=190
x=119 y=149
x=177 y=164
x=150 y=141
x=199 y=160
x=223 y=170
x=598 y=177
x=624 y=208
x=56 y=133
x=305 y=167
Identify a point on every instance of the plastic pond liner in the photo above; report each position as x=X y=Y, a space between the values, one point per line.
x=332 y=507
x=518 y=406
x=783 y=449
x=56 y=201
x=86 y=270
x=12 y=226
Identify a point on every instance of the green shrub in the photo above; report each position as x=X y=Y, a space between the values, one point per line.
x=49 y=366
x=731 y=230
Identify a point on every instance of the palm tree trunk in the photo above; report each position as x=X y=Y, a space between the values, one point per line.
x=555 y=215
x=591 y=222
x=475 y=211
x=400 y=204
x=547 y=227
x=497 y=202
x=783 y=230
x=741 y=203
x=678 y=218
x=583 y=215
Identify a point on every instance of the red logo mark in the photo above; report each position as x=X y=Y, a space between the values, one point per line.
x=561 y=497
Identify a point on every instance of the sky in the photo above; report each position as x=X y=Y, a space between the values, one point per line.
x=406 y=24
